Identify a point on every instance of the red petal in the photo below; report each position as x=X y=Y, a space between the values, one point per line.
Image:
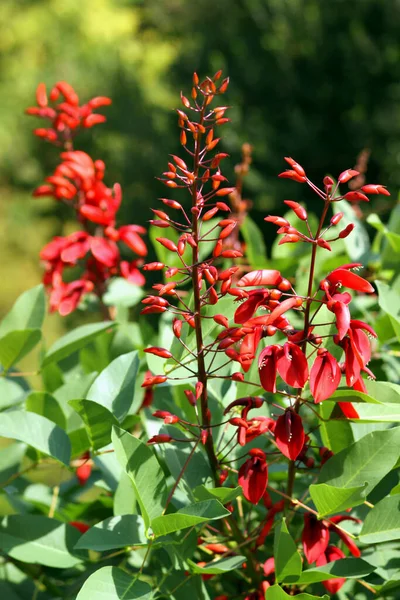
x=292 y=365
x=289 y=434
x=261 y=277
x=350 y=280
x=315 y=538
x=267 y=368
x=104 y=251
x=324 y=377
x=348 y=410
x=342 y=313
x=253 y=477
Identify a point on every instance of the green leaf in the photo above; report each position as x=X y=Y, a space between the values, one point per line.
x=330 y=500
x=217 y=567
x=17 y=344
x=147 y=476
x=357 y=244
x=115 y=386
x=98 y=421
x=38 y=432
x=286 y=555
x=349 y=568
x=223 y=495
x=38 y=539
x=121 y=292
x=27 y=313
x=336 y=434
x=389 y=301
x=11 y=393
x=367 y=460
x=275 y=592
x=111 y=583
x=256 y=251
x=114 y=532
x=75 y=340
x=382 y=523
x=197 y=513
x=46 y=405
x=124 y=497
x=199 y=472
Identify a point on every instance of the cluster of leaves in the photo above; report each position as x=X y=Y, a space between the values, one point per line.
x=224 y=506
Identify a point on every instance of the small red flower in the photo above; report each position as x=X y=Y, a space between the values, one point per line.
x=253 y=476
x=289 y=434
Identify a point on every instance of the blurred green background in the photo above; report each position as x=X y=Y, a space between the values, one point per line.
x=315 y=80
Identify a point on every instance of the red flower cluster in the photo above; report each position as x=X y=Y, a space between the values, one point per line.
x=66 y=116
x=78 y=182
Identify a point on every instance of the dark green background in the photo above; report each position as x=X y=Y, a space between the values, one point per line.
x=316 y=80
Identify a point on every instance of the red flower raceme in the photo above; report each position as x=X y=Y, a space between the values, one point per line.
x=78 y=182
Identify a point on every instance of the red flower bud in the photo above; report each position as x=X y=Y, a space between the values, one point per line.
x=161 y=438
x=299 y=211
x=345 y=176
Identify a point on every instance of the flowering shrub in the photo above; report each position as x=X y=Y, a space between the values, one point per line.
x=206 y=458
x=78 y=182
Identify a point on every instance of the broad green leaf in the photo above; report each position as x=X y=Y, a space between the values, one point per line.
x=389 y=301
x=114 y=532
x=223 y=495
x=142 y=466
x=256 y=251
x=336 y=434
x=199 y=473
x=367 y=460
x=80 y=442
x=286 y=555
x=115 y=386
x=330 y=500
x=112 y=583
x=16 y=344
x=121 y=292
x=10 y=460
x=197 y=513
x=98 y=421
x=275 y=592
x=75 y=340
x=357 y=244
x=349 y=568
x=38 y=432
x=124 y=497
x=385 y=391
x=46 y=405
x=382 y=523
x=27 y=313
x=38 y=539
x=217 y=567
x=11 y=393
x=349 y=395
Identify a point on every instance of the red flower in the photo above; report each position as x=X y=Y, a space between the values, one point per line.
x=267 y=365
x=289 y=434
x=253 y=476
x=325 y=376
